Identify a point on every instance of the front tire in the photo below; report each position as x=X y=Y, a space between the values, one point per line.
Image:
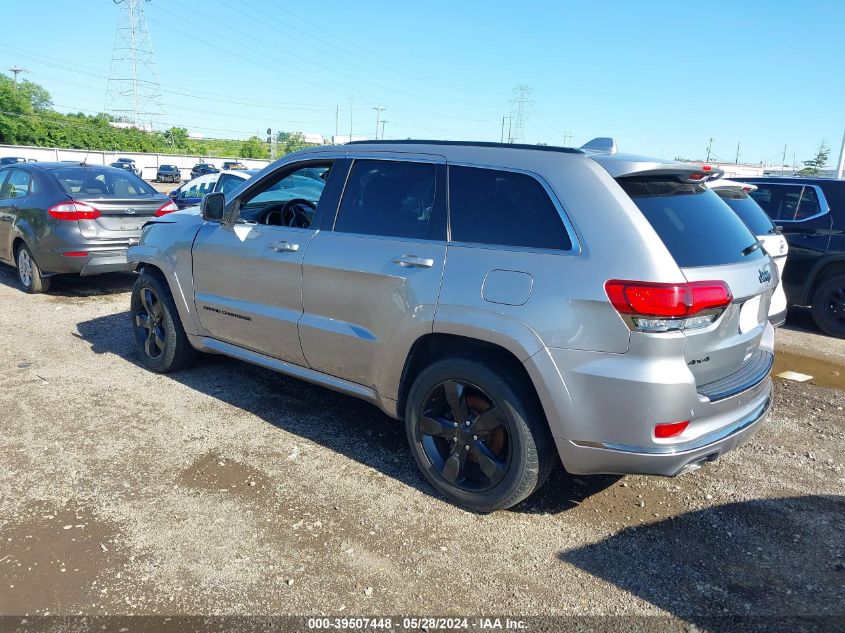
x=29 y=274
x=160 y=339
x=480 y=439
x=828 y=306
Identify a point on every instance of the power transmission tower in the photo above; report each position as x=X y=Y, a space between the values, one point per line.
x=133 y=94
x=520 y=112
x=16 y=70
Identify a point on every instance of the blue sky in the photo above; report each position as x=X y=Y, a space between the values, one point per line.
x=661 y=77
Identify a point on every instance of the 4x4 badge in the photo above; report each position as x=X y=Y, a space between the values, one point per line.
x=764 y=275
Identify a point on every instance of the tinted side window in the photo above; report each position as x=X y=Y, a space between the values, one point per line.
x=697 y=227
x=489 y=206
x=787 y=202
x=391 y=198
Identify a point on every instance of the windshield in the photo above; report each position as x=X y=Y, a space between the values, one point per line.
x=748 y=210
x=697 y=227
x=101 y=182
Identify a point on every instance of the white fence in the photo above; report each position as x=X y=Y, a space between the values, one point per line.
x=147 y=163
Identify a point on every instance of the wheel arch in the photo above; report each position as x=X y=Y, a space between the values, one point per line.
x=823 y=270
x=438 y=345
x=166 y=275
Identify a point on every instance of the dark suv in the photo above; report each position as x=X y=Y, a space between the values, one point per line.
x=811 y=212
x=200 y=169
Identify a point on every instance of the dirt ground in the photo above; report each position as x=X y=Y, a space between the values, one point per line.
x=228 y=489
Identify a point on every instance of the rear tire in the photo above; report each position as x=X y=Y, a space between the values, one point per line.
x=493 y=458
x=29 y=274
x=828 y=306
x=157 y=331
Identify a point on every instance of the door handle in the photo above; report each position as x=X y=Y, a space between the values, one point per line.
x=284 y=247
x=413 y=261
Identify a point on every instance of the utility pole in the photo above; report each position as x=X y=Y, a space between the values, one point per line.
x=383 y=121
x=736 y=160
x=133 y=92
x=336 y=120
x=783 y=159
x=520 y=104
x=567 y=138
x=709 y=146
x=503 y=128
x=379 y=110
x=351 y=103
x=16 y=70
x=841 y=168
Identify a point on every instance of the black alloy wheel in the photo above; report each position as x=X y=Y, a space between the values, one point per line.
x=148 y=325
x=464 y=435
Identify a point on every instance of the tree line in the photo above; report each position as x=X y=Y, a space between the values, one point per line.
x=27 y=117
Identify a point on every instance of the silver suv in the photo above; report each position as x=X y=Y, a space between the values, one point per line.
x=511 y=303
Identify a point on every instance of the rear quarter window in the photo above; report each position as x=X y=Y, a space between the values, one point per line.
x=503 y=208
x=697 y=227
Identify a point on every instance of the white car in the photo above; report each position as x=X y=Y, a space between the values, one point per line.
x=191 y=193
x=735 y=194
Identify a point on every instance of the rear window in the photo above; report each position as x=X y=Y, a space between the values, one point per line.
x=101 y=182
x=748 y=210
x=697 y=227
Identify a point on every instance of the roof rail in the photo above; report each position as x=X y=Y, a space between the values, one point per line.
x=542 y=148
x=600 y=145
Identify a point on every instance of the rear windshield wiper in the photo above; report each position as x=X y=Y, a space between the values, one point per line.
x=750 y=249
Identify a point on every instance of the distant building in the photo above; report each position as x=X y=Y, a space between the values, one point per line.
x=313 y=138
x=122 y=125
x=345 y=138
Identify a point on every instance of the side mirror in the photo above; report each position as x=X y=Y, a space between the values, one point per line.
x=173 y=193
x=213 y=207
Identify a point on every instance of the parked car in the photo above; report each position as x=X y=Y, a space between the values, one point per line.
x=168 y=173
x=128 y=167
x=11 y=160
x=624 y=332
x=71 y=218
x=191 y=193
x=736 y=195
x=200 y=169
x=811 y=212
x=132 y=166
x=233 y=164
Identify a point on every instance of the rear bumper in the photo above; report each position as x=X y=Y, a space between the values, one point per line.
x=670 y=461
x=101 y=260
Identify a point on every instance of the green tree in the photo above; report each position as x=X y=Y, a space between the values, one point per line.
x=176 y=138
x=294 y=142
x=818 y=162
x=253 y=148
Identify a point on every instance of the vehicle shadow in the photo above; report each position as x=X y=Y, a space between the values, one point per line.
x=801 y=320
x=74 y=285
x=344 y=424
x=763 y=560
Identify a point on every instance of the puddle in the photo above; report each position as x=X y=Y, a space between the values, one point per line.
x=824 y=372
x=52 y=558
x=216 y=472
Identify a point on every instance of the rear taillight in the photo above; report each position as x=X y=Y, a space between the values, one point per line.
x=657 y=307
x=673 y=429
x=167 y=207
x=73 y=211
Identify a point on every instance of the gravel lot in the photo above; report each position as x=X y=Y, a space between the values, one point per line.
x=227 y=489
